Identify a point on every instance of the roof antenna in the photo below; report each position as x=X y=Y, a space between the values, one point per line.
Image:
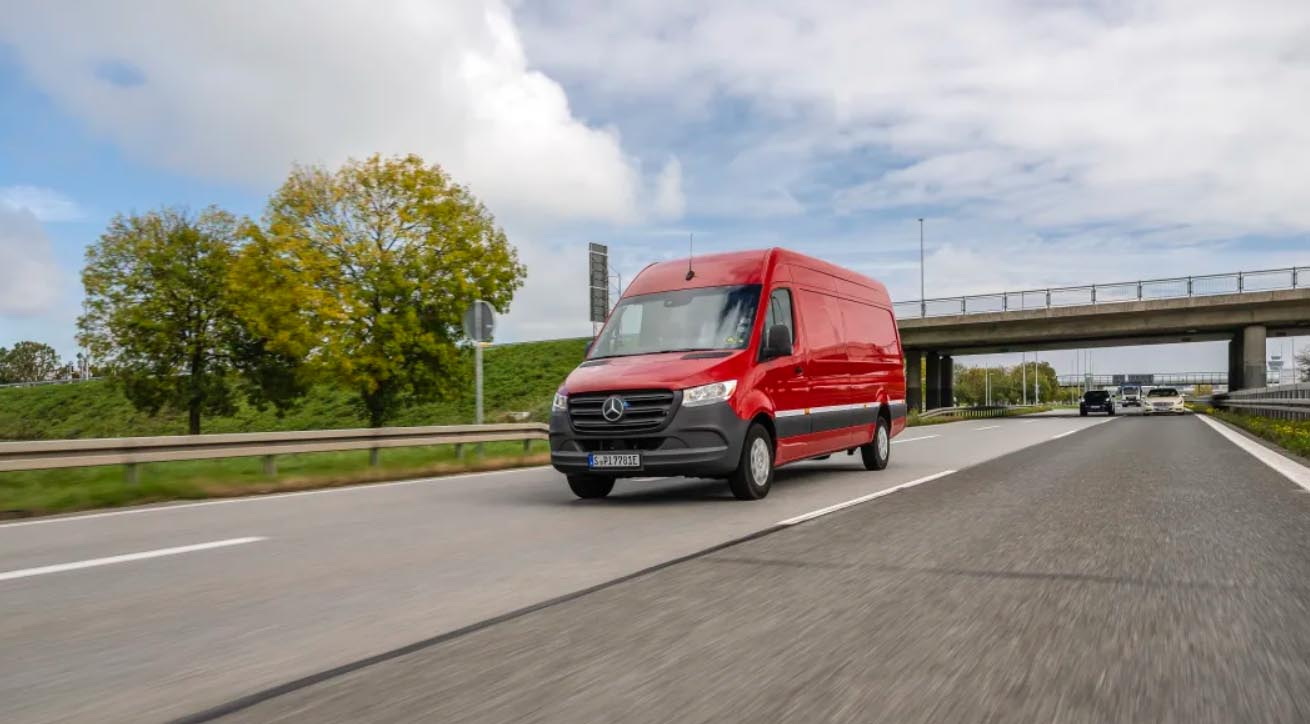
x=691 y=237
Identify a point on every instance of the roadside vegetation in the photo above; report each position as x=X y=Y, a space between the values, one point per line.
x=518 y=378
x=43 y=492
x=1291 y=435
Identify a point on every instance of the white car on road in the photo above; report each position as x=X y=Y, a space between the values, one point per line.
x=1163 y=400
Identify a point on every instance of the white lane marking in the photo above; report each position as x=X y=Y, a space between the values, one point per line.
x=260 y=498
x=863 y=498
x=914 y=439
x=93 y=562
x=1289 y=468
x=1063 y=434
x=988 y=427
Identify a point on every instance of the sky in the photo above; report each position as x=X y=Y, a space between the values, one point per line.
x=1045 y=143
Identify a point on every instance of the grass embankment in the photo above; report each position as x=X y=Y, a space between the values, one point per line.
x=1291 y=435
x=518 y=378
x=916 y=421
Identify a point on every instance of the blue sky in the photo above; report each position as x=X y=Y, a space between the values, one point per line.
x=1046 y=143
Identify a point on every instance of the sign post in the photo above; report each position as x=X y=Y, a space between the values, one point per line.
x=599 y=283
x=479 y=323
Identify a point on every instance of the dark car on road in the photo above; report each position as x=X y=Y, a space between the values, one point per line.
x=1096 y=401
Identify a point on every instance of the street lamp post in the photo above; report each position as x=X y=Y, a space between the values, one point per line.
x=923 y=303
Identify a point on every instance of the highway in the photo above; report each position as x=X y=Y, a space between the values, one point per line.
x=1043 y=568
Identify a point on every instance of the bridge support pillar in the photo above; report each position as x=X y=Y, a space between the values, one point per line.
x=933 y=393
x=1253 y=356
x=948 y=381
x=914 y=379
x=1235 y=363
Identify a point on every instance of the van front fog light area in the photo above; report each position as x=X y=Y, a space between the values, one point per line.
x=708 y=394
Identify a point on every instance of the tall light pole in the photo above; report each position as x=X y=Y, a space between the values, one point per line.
x=923 y=303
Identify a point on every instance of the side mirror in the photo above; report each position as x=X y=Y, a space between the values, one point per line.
x=777 y=342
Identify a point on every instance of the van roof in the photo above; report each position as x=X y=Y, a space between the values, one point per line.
x=752 y=267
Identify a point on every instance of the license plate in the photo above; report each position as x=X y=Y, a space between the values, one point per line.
x=613 y=461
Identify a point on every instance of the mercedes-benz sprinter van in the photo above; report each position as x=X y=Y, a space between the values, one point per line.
x=728 y=366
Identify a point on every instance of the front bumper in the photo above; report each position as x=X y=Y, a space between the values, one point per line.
x=702 y=441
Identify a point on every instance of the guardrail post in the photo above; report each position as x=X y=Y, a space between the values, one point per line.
x=1189 y=286
x=962 y=307
x=1093 y=294
x=1048 y=298
x=1139 y=291
x=459 y=451
x=374 y=457
x=270 y=466
x=527 y=445
x=132 y=473
x=1241 y=282
x=1294 y=270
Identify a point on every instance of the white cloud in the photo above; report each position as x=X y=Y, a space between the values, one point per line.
x=220 y=90
x=1046 y=114
x=45 y=204
x=669 y=201
x=29 y=278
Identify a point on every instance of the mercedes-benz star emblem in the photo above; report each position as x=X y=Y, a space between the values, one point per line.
x=612 y=409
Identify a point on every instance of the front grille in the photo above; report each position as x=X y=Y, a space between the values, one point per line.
x=644 y=410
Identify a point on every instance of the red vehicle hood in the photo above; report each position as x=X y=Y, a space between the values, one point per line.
x=665 y=371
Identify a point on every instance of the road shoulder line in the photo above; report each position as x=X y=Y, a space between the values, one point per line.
x=1285 y=466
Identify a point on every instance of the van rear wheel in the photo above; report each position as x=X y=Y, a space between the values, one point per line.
x=754 y=474
x=878 y=452
x=590 y=486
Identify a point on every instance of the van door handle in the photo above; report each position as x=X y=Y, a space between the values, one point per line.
x=798 y=370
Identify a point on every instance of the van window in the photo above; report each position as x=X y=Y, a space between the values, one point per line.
x=683 y=320
x=780 y=312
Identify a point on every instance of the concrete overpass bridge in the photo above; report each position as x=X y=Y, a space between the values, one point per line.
x=1242 y=308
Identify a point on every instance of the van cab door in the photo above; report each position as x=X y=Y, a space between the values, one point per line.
x=784 y=379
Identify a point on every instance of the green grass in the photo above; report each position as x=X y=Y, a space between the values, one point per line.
x=1291 y=435
x=518 y=378
x=40 y=492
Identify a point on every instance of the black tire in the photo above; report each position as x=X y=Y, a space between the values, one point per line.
x=744 y=481
x=878 y=452
x=590 y=486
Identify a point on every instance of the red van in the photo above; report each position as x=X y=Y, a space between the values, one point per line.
x=728 y=367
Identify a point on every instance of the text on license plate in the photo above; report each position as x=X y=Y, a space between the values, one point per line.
x=614 y=460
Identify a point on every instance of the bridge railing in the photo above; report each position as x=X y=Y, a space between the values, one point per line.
x=1146 y=289
x=1286 y=402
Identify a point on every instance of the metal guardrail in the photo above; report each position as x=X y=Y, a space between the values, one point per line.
x=1146 y=289
x=43 y=383
x=131 y=451
x=972 y=412
x=1285 y=402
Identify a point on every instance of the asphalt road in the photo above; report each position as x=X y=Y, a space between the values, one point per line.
x=1064 y=581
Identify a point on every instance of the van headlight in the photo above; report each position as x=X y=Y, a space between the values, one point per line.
x=561 y=402
x=708 y=394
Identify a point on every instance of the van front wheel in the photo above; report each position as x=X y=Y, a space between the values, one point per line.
x=754 y=474
x=878 y=452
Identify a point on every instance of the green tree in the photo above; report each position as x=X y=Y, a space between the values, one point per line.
x=157 y=314
x=28 y=362
x=364 y=273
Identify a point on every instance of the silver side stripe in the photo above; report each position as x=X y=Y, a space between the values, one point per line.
x=829 y=408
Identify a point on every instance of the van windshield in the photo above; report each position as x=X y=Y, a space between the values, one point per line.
x=684 y=320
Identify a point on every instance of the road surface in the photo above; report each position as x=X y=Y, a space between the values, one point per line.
x=1055 y=576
